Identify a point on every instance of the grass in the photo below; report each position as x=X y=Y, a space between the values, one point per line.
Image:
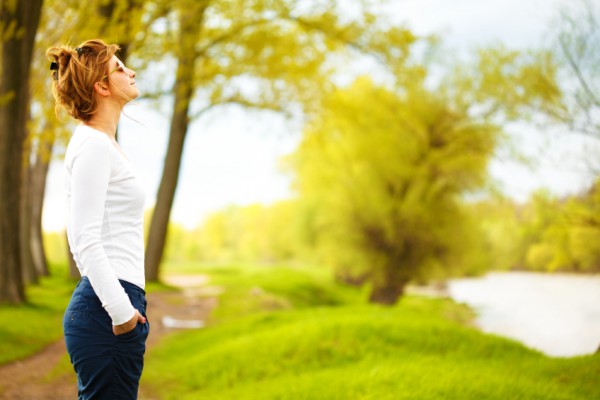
x=291 y=333
x=250 y=289
x=27 y=328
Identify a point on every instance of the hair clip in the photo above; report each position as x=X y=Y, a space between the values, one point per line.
x=79 y=50
x=54 y=67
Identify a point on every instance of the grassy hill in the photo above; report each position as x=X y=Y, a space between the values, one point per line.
x=291 y=333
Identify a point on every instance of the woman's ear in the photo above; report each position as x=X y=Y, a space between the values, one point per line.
x=102 y=89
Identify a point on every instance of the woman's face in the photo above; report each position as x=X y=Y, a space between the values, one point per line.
x=122 y=80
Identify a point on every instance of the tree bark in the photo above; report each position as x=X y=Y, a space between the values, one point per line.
x=157 y=234
x=33 y=262
x=388 y=290
x=39 y=174
x=27 y=264
x=14 y=94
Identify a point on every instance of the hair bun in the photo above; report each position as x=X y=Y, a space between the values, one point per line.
x=75 y=71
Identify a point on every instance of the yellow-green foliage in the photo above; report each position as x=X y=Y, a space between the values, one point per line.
x=583 y=218
x=545 y=234
x=265 y=54
x=254 y=233
x=508 y=83
x=501 y=230
x=373 y=163
x=386 y=173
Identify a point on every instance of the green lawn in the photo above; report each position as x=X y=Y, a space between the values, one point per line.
x=26 y=329
x=292 y=333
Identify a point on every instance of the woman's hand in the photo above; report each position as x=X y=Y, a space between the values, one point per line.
x=129 y=325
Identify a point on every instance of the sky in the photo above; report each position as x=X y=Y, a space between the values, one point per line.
x=232 y=156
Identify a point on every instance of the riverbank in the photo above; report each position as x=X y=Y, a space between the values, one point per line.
x=292 y=333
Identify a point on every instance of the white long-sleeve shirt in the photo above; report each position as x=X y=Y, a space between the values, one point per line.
x=105 y=207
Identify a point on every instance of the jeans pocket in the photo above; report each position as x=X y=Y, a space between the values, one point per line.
x=139 y=302
x=75 y=321
x=132 y=333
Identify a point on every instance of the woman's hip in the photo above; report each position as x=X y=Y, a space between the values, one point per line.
x=87 y=325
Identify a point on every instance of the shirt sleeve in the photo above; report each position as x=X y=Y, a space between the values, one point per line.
x=90 y=175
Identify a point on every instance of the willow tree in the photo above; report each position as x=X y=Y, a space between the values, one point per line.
x=258 y=54
x=18 y=26
x=386 y=172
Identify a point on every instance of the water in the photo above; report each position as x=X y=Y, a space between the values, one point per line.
x=558 y=314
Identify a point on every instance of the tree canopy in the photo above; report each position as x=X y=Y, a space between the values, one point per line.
x=387 y=173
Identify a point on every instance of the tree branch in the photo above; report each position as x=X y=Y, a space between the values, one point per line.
x=335 y=35
x=578 y=73
x=240 y=101
x=232 y=33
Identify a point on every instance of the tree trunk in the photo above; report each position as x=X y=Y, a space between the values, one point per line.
x=37 y=192
x=14 y=97
x=33 y=256
x=157 y=235
x=389 y=290
x=27 y=265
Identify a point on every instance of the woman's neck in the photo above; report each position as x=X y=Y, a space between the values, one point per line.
x=106 y=119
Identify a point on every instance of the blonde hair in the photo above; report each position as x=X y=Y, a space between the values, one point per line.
x=75 y=73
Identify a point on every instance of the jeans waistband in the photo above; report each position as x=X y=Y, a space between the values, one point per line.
x=126 y=285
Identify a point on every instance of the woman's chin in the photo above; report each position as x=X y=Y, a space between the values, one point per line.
x=132 y=95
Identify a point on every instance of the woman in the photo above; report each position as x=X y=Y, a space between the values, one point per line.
x=105 y=323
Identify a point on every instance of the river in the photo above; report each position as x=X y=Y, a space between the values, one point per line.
x=558 y=314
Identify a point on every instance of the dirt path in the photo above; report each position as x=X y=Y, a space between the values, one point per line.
x=48 y=375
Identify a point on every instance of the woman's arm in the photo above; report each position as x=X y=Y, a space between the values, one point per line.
x=90 y=174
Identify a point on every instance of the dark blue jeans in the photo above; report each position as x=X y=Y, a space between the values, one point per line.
x=107 y=366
